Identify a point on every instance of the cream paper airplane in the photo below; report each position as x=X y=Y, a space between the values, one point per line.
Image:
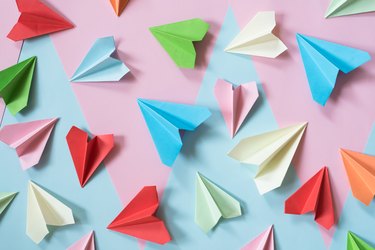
x=272 y=152
x=256 y=39
x=43 y=209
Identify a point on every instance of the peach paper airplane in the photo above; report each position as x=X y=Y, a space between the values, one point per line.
x=87 y=155
x=235 y=102
x=360 y=169
x=314 y=196
x=119 y=6
x=87 y=242
x=138 y=218
x=36 y=19
x=28 y=139
x=263 y=241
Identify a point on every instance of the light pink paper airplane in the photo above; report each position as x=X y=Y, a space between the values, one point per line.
x=235 y=102
x=28 y=139
x=263 y=241
x=87 y=242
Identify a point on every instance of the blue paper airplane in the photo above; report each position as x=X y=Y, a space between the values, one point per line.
x=323 y=60
x=98 y=65
x=165 y=120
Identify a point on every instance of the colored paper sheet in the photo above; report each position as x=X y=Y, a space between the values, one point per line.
x=272 y=152
x=213 y=203
x=99 y=65
x=263 y=241
x=29 y=139
x=235 y=102
x=349 y=7
x=15 y=84
x=87 y=242
x=139 y=219
x=36 y=19
x=256 y=39
x=177 y=39
x=2 y=109
x=165 y=120
x=356 y=243
x=5 y=199
x=323 y=60
x=118 y=6
x=87 y=155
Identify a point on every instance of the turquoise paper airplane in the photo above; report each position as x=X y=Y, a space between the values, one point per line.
x=165 y=120
x=323 y=60
x=98 y=65
x=5 y=200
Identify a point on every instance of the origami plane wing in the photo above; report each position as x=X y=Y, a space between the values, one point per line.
x=314 y=196
x=360 y=169
x=165 y=120
x=119 y=6
x=5 y=199
x=138 y=218
x=87 y=242
x=98 y=65
x=43 y=209
x=353 y=242
x=323 y=60
x=256 y=38
x=15 y=84
x=235 y=102
x=177 y=40
x=36 y=19
x=263 y=241
x=349 y=7
x=28 y=139
x=272 y=152
x=87 y=156
x=212 y=203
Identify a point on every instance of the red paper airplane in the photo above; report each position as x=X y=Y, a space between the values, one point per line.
x=36 y=19
x=87 y=156
x=314 y=196
x=138 y=218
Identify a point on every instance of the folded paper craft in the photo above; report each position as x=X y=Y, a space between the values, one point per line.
x=314 y=196
x=43 y=209
x=263 y=241
x=177 y=40
x=87 y=155
x=360 y=169
x=323 y=60
x=2 y=109
x=349 y=7
x=98 y=65
x=353 y=242
x=36 y=19
x=5 y=199
x=272 y=152
x=235 y=102
x=256 y=39
x=138 y=219
x=212 y=203
x=28 y=139
x=119 y=6
x=15 y=84
x=87 y=242
x=165 y=120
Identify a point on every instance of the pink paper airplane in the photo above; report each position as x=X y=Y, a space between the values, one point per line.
x=87 y=242
x=263 y=241
x=235 y=102
x=28 y=139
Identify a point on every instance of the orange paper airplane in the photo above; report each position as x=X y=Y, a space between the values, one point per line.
x=119 y=5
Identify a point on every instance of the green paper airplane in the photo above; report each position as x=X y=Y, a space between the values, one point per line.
x=212 y=203
x=356 y=243
x=5 y=200
x=15 y=83
x=349 y=7
x=177 y=39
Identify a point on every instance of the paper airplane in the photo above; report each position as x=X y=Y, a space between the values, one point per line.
x=256 y=39
x=98 y=65
x=349 y=7
x=5 y=200
x=314 y=196
x=28 y=139
x=235 y=102
x=87 y=155
x=15 y=84
x=138 y=219
x=165 y=120
x=360 y=169
x=353 y=242
x=119 y=6
x=272 y=152
x=36 y=19
x=263 y=241
x=43 y=209
x=323 y=60
x=177 y=39
x=87 y=242
x=212 y=203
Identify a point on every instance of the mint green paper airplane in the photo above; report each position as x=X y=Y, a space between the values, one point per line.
x=5 y=200
x=177 y=39
x=349 y=7
x=212 y=203
x=15 y=83
x=355 y=243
